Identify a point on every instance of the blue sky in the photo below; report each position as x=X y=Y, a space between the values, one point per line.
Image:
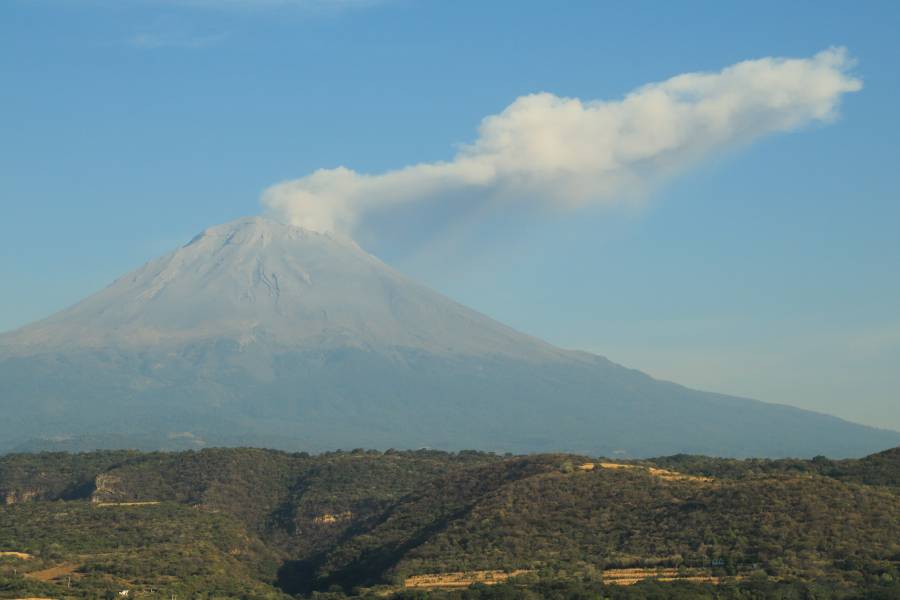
x=767 y=270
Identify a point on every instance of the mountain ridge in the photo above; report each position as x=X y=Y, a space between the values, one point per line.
x=259 y=333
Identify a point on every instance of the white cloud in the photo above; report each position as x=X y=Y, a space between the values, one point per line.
x=568 y=152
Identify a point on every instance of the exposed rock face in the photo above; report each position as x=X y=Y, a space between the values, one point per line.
x=107 y=489
x=19 y=496
x=332 y=518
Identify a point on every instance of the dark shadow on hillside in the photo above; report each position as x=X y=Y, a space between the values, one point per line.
x=298 y=576
x=303 y=577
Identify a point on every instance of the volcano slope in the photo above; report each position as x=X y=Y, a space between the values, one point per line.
x=259 y=333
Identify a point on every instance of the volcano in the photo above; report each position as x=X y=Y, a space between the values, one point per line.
x=261 y=333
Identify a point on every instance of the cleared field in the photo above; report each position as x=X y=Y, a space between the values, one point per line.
x=632 y=576
x=53 y=572
x=111 y=504
x=661 y=473
x=459 y=579
x=21 y=555
x=455 y=580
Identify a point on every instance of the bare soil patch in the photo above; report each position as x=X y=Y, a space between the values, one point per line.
x=53 y=572
x=459 y=579
x=661 y=473
x=109 y=504
x=21 y=555
x=632 y=576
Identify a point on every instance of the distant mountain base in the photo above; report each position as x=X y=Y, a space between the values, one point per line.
x=88 y=443
x=210 y=395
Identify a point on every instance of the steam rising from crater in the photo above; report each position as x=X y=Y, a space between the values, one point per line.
x=568 y=152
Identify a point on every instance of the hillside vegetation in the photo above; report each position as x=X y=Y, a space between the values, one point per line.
x=249 y=523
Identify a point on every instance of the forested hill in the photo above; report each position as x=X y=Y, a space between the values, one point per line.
x=256 y=523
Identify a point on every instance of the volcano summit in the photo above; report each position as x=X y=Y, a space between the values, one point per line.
x=261 y=333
